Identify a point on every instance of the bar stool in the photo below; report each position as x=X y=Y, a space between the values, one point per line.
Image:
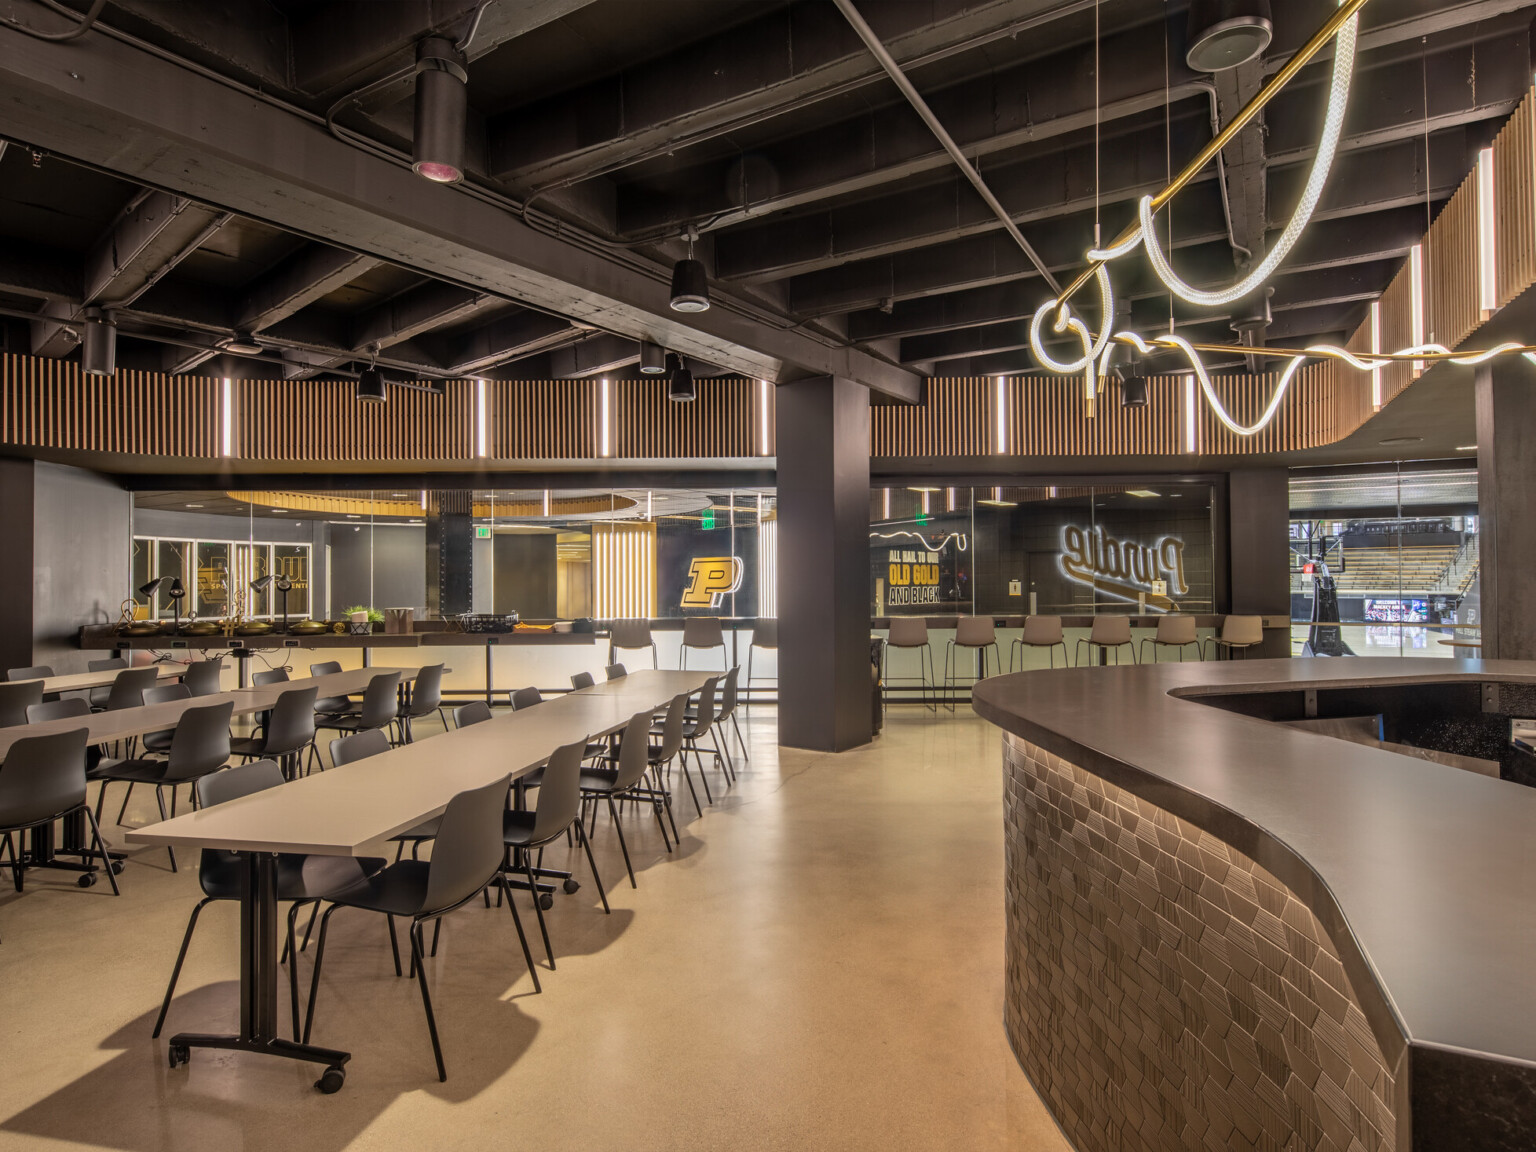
x=1109 y=633
x=911 y=632
x=288 y=733
x=976 y=634
x=631 y=634
x=765 y=635
x=204 y=677
x=1040 y=632
x=1239 y=633
x=1173 y=631
x=703 y=633
x=16 y=698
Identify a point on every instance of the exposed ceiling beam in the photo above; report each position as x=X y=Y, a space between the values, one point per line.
x=102 y=101
x=314 y=271
x=506 y=338
x=593 y=356
x=778 y=62
x=245 y=38
x=421 y=309
x=1400 y=22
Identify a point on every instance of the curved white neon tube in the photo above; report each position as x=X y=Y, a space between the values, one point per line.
x=1210 y=392
x=958 y=537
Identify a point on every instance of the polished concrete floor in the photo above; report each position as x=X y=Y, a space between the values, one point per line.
x=819 y=967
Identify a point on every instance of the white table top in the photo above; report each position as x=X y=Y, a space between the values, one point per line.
x=352 y=810
x=122 y=723
x=78 y=681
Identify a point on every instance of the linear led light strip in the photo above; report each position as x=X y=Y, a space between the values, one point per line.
x=961 y=543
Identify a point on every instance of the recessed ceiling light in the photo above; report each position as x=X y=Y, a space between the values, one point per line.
x=1466 y=447
x=279 y=511
x=999 y=503
x=1394 y=441
x=925 y=489
x=194 y=505
x=1142 y=492
x=353 y=516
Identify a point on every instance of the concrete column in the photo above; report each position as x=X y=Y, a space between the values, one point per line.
x=16 y=575
x=1506 y=498
x=450 y=552
x=823 y=476
x=1258 y=542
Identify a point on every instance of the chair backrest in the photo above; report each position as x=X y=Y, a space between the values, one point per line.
x=270 y=676
x=233 y=783
x=358 y=746
x=1111 y=630
x=703 y=632
x=325 y=668
x=57 y=709
x=728 y=694
x=559 y=792
x=36 y=672
x=1176 y=629
x=129 y=685
x=672 y=728
x=705 y=716
x=291 y=724
x=582 y=680
x=469 y=848
x=165 y=693
x=765 y=633
x=908 y=632
x=16 y=698
x=1042 y=630
x=1243 y=630
x=634 y=750
x=380 y=701
x=42 y=777
x=427 y=690
x=204 y=677
x=116 y=664
x=975 y=631
x=201 y=742
x=525 y=698
x=614 y=671
x=476 y=712
x=629 y=634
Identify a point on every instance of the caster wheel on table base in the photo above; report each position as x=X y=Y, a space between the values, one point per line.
x=546 y=900
x=179 y=1054
x=117 y=867
x=572 y=886
x=86 y=880
x=332 y=1079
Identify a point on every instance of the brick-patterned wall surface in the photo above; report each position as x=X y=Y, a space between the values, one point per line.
x=1164 y=991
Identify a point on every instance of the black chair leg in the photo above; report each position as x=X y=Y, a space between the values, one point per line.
x=624 y=848
x=426 y=997
x=682 y=759
x=314 y=977
x=293 y=966
x=123 y=811
x=698 y=762
x=170 y=989
x=101 y=850
x=313 y=912
x=394 y=945
x=592 y=864
x=437 y=930
x=160 y=798
x=539 y=910
x=522 y=937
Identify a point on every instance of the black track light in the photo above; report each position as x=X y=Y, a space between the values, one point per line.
x=370 y=386
x=98 y=350
x=1133 y=386
x=442 y=102
x=653 y=358
x=1226 y=33
x=690 y=286
x=680 y=386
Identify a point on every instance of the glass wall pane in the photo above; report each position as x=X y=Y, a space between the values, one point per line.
x=292 y=561
x=212 y=594
x=142 y=567
x=172 y=560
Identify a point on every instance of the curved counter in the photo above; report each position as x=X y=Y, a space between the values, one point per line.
x=1227 y=932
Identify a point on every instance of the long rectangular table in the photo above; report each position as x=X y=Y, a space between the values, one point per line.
x=80 y=681
x=353 y=810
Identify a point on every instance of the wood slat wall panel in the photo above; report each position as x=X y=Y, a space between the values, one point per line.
x=958 y=420
x=46 y=403
x=1450 y=269
x=1305 y=419
x=1397 y=332
x=323 y=420
x=720 y=422
x=1514 y=177
x=542 y=419
x=1048 y=417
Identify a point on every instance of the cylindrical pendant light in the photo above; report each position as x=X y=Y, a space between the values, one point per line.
x=98 y=351
x=370 y=386
x=680 y=386
x=690 y=287
x=442 y=103
x=653 y=358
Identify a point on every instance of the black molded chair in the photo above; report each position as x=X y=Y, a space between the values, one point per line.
x=70 y=707
x=468 y=858
x=162 y=694
x=521 y=698
x=302 y=879
x=16 y=698
x=614 y=671
x=331 y=705
x=36 y=672
x=673 y=732
x=582 y=680
x=204 y=677
x=128 y=687
x=41 y=780
x=426 y=698
x=623 y=782
x=726 y=710
x=98 y=696
x=360 y=746
x=556 y=813
x=381 y=704
x=701 y=723
x=269 y=676
x=290 y=729
x=199 y=748
x=475 y=712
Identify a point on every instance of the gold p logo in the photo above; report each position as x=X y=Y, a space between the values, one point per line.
x=710 y=579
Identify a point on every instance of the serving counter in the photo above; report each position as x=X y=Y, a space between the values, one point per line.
x=1228 y=931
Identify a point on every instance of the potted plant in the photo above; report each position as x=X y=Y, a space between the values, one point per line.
x=363 y=618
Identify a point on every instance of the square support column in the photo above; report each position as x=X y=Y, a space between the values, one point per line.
x=450 y=552
x=1506 y=498
x=1258 y=542
x=823 y=472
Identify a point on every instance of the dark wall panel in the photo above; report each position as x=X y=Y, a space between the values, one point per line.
x=16 y=511
x=80 y=560
x=526 y=572
x=399 y=567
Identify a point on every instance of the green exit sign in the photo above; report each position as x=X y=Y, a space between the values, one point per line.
x=709 y=519
x=482 y=532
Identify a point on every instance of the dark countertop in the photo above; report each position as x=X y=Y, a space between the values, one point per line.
x=1424 y=875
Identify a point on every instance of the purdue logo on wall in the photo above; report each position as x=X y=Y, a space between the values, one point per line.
x=1124 y=568
x=710 y=580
